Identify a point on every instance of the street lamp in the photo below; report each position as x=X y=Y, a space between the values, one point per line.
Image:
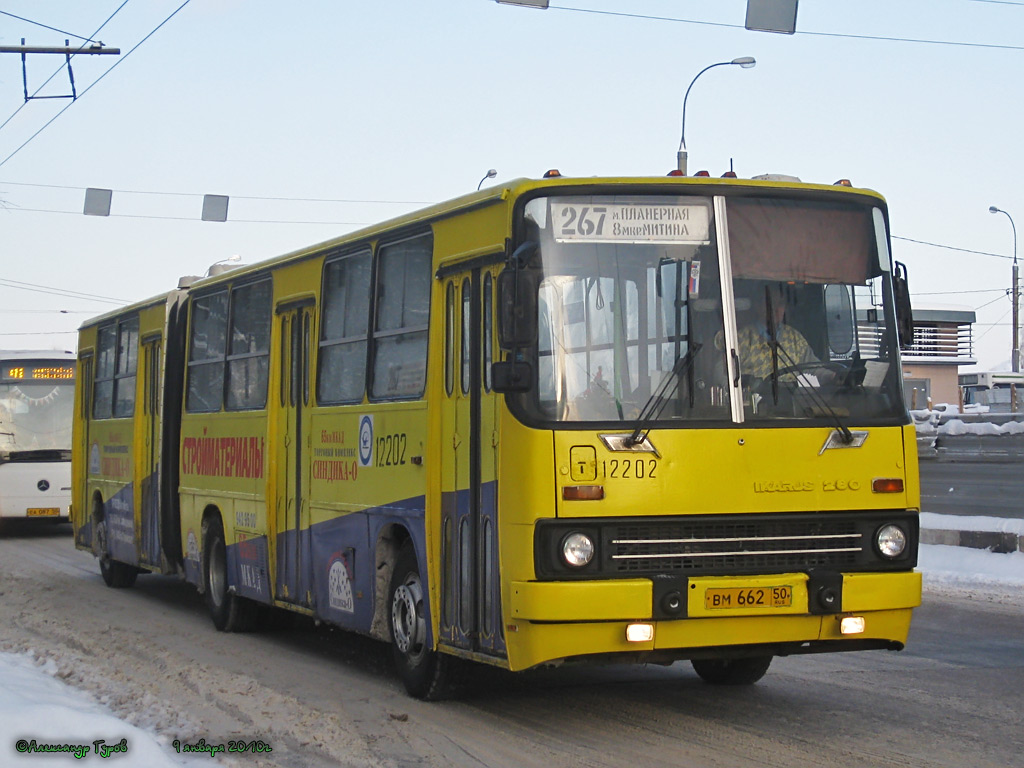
x=1015 y=292
x=746 y=62
x=489 y=175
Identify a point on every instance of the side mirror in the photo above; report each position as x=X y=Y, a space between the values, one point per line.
x=507 y=376
x=904 y=312
x=517 y=314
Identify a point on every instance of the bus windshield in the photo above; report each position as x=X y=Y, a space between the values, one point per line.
x=673 y=309
x=36 y=406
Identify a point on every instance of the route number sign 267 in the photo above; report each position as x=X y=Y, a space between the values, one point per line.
x=630 y=222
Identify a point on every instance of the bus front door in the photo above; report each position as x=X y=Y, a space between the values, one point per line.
x=293 y=582
x=148 y=469
x=470 y=590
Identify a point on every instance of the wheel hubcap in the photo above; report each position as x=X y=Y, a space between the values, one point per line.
x=410 y=628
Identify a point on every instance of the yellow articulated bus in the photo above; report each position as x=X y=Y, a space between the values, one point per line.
x=555 y=421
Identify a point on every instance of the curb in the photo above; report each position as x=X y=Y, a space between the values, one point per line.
x=994 y=541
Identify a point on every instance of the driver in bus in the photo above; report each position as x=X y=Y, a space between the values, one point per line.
x=755 y=337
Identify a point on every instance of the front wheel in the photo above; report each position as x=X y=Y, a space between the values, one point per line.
x=732 y=671
x=423 y=670
x=115 y=574
x=230 y=613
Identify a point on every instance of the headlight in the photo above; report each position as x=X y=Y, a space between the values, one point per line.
x=891 y=540
x=577 y=549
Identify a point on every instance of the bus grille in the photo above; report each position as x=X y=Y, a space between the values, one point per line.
x=730 y=544
x=736 y=546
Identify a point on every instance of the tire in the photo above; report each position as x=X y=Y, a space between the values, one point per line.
x=732 y=671
x=115 y=574
x=230 y=613
x=424 y=672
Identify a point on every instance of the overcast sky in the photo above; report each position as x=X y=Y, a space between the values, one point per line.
x=380 y=106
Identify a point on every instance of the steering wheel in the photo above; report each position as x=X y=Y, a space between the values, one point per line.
x=840 y=369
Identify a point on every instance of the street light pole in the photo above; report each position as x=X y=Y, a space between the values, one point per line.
x=1015 y=294
x=746 y=62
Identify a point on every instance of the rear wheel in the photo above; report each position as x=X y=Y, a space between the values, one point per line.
x=115 y=574
x=230 y=613
x=732 y=671
x=424 y=672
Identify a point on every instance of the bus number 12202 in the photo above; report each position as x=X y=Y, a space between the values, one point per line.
x=630 y=469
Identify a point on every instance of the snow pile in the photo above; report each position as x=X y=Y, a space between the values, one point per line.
x=47 y=724
x=962 y=569
x=930 y=423
x=934 y=521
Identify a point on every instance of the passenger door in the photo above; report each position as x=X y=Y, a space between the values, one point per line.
x=470 y=590
x=293 y=583
x=148 y=471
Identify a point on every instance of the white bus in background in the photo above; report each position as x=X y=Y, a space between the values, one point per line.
x=994 y=389
x=37 y=395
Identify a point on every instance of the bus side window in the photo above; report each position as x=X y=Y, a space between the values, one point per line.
x=449 y=338
x=127 y=364
x=402 y=314
x=207 y=347
x=106 y=355
x=248 y=363
x=343 y=327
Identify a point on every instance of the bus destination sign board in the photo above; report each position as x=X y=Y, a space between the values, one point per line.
x=38 y=372
x=630 y=222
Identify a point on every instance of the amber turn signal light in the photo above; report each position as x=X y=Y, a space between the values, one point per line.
x=887 y=485
x=582 y=492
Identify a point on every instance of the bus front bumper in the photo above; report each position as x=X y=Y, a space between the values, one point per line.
x=553 y=621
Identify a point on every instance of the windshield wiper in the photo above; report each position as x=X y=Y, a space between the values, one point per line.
x=659 y=398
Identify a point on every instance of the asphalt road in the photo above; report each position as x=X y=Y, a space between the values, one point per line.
x=972 y=488
x=954 y=697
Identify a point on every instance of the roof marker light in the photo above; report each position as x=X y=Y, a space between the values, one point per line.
x=554 y=173
x=843 y=183
x=676 y=172
x=702 y=173
x=729 y=175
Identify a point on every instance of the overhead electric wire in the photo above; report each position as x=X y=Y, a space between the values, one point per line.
x=991 y=326
x=193 y=218
x=8 y=283
x=60 y=68
x=96 y=82
x=957 y=293
x=882 y=38
x=44 y=26
x=951 y=248
x=233 y=197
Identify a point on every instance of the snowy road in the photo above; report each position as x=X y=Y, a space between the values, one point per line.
x=954 y=697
